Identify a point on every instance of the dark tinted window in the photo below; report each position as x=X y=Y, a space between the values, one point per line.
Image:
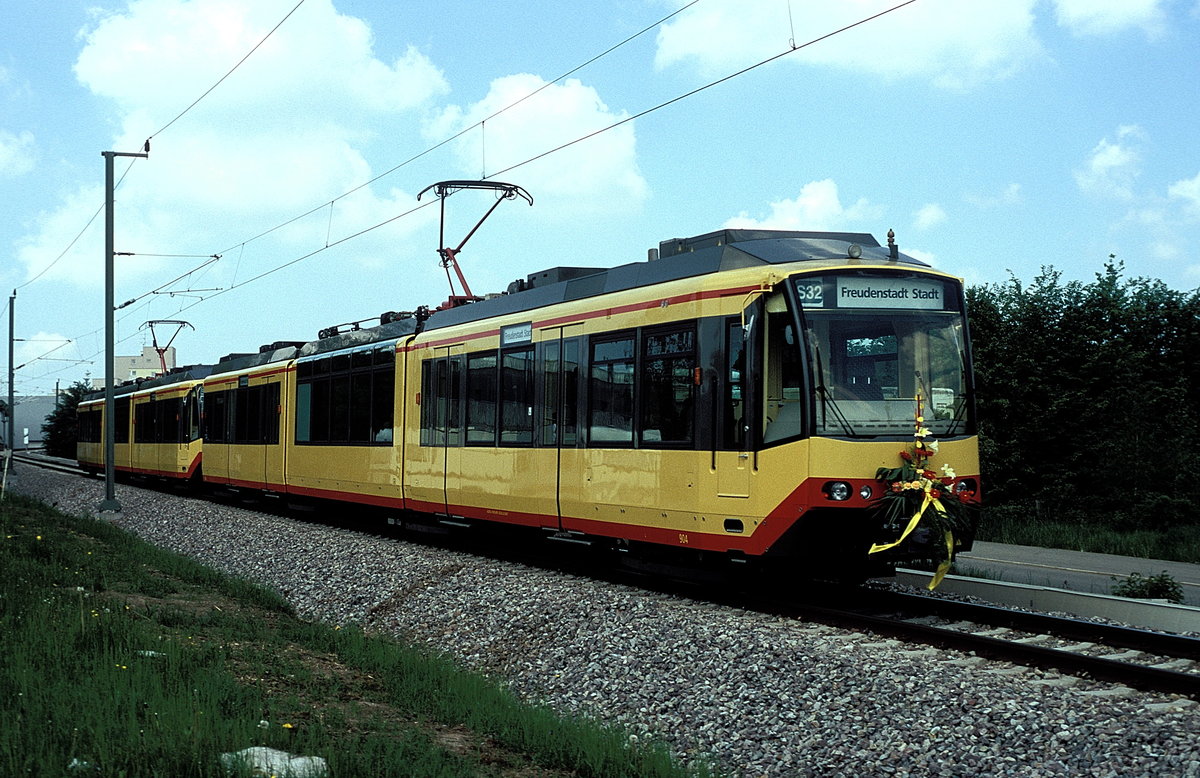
x=516 y=387
x=481 y=398
x=610 y=392
x=347 y=399
x=667 y=386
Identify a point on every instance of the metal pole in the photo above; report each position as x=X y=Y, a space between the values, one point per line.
x=110 y=420
x=12 y=305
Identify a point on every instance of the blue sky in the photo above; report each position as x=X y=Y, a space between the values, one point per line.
x=994 y=137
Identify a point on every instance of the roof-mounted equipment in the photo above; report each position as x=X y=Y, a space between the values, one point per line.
x=178 y=325
x=444 y=189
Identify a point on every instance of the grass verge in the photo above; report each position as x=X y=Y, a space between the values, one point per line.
x=1179 y=544
x=123 y=659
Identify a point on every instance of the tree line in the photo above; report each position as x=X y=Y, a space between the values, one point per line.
x=1088 y=399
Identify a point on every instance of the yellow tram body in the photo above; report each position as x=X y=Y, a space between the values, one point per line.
x=157 y=429
x=740 y=501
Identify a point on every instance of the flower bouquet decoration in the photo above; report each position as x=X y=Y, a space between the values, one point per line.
x=918 y=493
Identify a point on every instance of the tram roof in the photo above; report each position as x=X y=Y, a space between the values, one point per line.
x=678 y=258
x=177 y=376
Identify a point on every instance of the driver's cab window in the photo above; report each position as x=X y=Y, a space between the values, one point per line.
x=782 y=374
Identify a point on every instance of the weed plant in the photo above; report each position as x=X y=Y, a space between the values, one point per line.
x=122 y=659
x=1151 y=587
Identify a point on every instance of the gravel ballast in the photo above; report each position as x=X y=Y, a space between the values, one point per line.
x=758 y=695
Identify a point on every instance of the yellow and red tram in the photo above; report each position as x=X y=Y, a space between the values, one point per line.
x=157 y=427
x=734 y=395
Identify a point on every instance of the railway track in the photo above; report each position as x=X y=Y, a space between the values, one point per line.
x=1137 y=658
x=48 y=463
x=1142 y=659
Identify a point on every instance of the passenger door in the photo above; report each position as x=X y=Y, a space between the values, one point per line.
x=448 y=422
x=559 y=424
x=733 y=457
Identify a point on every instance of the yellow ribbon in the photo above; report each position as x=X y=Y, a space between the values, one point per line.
x=944 y=567
x=912 y=524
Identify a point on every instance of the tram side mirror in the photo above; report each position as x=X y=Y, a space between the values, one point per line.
x=748 y=327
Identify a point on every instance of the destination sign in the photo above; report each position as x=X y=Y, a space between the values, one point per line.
x=859 y=292
x=516 y=333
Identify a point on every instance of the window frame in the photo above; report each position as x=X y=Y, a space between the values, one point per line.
x=347 y=398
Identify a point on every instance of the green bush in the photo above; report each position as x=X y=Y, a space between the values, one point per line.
x=1154 y=587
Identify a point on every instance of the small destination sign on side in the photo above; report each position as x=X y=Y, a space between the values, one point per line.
x=516 y=333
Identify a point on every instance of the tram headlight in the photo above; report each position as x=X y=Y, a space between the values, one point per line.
x=966 y=486
x=838 y=491
x=866 y=492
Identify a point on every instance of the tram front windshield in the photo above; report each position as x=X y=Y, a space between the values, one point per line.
x=875 y=343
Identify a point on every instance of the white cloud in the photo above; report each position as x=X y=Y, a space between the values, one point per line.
x=17 y=153
x=1113 y=166
x=928 y=257
x=1187 y=190
x=290 y=128
x=599 y=173
x=161 y=54
x=955 y=45
x=1105 y=17
x=817 y=207
x=929 y=216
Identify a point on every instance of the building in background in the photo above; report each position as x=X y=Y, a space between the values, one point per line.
x=31 y=413
x=147 y=365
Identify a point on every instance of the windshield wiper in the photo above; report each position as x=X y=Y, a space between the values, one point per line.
x=963 y=398
x=827 y=401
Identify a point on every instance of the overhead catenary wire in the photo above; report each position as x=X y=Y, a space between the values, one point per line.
x=331 y=244
x=464 y=130
x=177 y=117
x=790 y=50
x=81 y=233
x=221 y=80
x=330 y=204
x=242 y=244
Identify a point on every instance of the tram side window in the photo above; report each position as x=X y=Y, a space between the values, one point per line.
x=441 y=415
x=90 y=424
x=270 y=410
x=339 y=405
x=383 y=404
x=610 y=391
x=783 y=377
x=481 y=399
x=191 y=412
x=166 y=420
x=303 y=413
x=516 y=401
x=122 y=420
x=256 y=414
x=733 y=426
x=432 y=434
x=666 y=388
x=346 y=399
x=560 y=392
x=145 y=427
x=214 y=417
